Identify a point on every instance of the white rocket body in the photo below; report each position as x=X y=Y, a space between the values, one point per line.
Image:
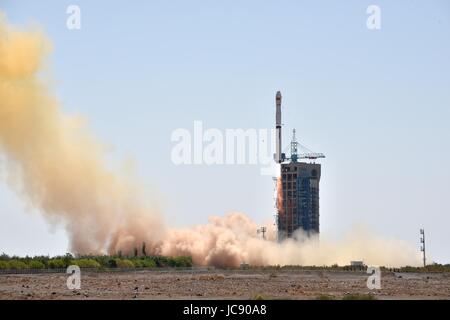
x=278 y=155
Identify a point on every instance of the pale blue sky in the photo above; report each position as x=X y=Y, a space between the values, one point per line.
x=377 y=103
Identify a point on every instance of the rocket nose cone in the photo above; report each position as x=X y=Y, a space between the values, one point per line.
x=278 y=98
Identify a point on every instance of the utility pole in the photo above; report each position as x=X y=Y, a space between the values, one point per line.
x=263 y=231
x=422 y=248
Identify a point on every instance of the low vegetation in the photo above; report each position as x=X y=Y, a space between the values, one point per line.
x=93 y=262
x=359 y=297
x=325 y=297
x=435 y=267
x=142 y=260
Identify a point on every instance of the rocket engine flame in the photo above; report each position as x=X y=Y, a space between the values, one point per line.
x=280 y=207
x=57 y=165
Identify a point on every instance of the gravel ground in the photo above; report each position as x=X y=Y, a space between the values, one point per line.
x=223 y=284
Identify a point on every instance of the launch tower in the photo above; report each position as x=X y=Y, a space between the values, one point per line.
x=298 y=186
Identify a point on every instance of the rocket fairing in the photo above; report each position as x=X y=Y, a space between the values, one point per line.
x=278 y=155
x=278 y=109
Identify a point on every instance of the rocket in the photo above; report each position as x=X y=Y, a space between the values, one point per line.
x=278 y=155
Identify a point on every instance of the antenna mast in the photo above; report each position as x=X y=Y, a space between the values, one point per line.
x=422 y=248
x=263 y=231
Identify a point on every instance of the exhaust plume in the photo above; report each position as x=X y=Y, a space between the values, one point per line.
x=56 y=164
x=232 y=239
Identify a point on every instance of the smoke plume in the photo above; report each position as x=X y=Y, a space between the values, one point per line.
x=56 y=164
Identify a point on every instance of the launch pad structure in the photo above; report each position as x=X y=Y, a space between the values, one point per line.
x=297 y=199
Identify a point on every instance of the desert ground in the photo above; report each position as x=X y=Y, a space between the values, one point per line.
x=224 y=284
